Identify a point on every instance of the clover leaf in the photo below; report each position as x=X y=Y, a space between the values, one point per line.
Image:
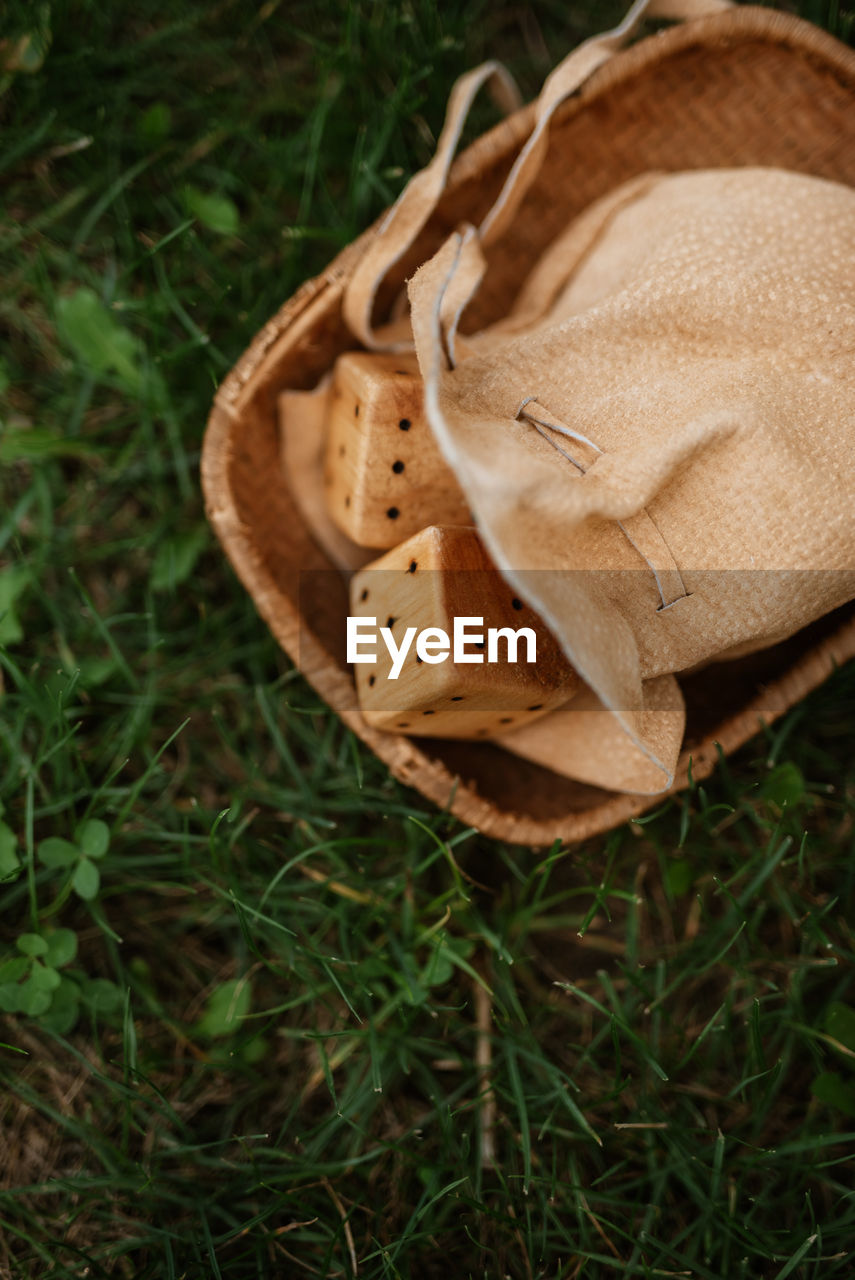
x=836 y=1092
x=32 y=944
x=92 y=840
x=61 y=948
x=86 y=880
x=56 y=852
x=227 y=1006
x=30 y=983
x=64 y=1008
x=93 y=837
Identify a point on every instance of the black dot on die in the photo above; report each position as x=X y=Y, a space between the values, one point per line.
x=538 y=706
x=372 y=680
x=518 y=604
x=413 y=566
x=390 y=621
x=405 y=424
x=393 y=513
x=364 y=594
x=457 y=697
x=398 y=467
x=506 y=720
x=428 y=713
x=356 y=412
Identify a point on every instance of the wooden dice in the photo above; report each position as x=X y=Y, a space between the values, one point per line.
x=451 y=644
x=383 y=474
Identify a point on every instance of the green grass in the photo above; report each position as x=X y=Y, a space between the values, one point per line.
x=312 y=1026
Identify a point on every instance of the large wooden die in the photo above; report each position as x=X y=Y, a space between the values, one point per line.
x=384 y=476
x=441 y=581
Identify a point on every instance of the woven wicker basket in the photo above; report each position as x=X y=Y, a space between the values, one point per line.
x=748 y=87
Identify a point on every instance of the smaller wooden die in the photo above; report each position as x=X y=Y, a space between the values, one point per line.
x=384 y=476
x=480 y=681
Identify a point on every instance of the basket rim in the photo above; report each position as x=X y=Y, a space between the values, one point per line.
x=405 y=757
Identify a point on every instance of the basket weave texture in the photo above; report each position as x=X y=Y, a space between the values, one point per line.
x=749 y=87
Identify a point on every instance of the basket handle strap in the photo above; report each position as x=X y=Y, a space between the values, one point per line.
x=398 y=230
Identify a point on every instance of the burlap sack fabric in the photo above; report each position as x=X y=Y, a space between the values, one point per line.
x=742 y=88
x=692 y=391
x=654 y=442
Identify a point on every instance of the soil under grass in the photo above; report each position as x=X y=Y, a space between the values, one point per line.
x=281 y=1017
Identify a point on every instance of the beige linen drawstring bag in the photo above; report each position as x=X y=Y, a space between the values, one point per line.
x=643 y=381
x=661 y=467
x=655 y=443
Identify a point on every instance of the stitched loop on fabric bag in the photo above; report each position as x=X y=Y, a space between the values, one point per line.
x=640 y=529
